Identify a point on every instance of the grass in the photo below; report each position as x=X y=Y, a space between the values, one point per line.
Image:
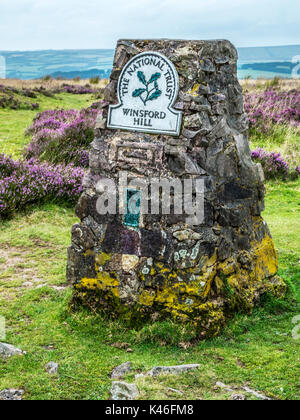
x=283 y=140
x=250 y=85
x=257 y=350
x=283 y=218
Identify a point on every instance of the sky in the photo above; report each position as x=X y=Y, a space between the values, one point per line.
x=93 y=24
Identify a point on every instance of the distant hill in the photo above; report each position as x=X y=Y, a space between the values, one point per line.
x=65 y=63
x=256 y=62
x=276 y=67
x=85 y=74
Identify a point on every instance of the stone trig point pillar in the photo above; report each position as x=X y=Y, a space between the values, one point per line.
x=173 y=112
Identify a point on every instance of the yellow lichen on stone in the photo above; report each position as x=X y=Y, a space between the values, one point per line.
x=210 y=272
x=200 y=293
x=86 y=283
x=108 y=280
x=179 y=297
x=266 y=258
x=102 y=259
x=105 y=281
x=234 y=281
x=219 y=283
x=227 y=267
x=194 y=90
x=147 y=298
x=89 y=253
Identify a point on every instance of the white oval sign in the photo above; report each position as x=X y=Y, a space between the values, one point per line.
x=147 y=89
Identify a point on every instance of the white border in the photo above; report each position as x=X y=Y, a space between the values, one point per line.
x=170 y=107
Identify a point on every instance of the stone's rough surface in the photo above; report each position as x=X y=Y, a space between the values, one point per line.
x=121 y=370
x=52 y=368
x=123 y=391
x=11 y=395
x=145 y=265
x=7 y=350
x=172 y=370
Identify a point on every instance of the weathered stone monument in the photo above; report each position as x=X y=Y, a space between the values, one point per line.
x=173 y=111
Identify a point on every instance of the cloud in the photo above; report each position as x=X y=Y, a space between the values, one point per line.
x=75 y=24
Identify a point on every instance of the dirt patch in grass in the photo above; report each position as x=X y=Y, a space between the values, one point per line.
x=15 y=269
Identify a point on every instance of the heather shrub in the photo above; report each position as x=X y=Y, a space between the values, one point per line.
x=10 y=102
x=11 y=98
x=48 y=92
x=270 y=108
x=77 y=90
x=62 y=136
x=295 y=173
x=7 y=166
x=273 y=164
x=24 y=183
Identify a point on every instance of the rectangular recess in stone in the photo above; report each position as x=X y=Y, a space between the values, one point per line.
x=133 y=154
x=133 y=208
x=137 y=153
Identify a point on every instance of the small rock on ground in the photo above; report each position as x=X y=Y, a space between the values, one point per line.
x=237 y=397
x=244 y=388
x=52 y=368
x=7 y=350
x=256 y=394
x=11 y=395
x=172 y=370
x=122 y=391
x=121 y=370
x=27 y=284
x=223 y=386
x=176 y=391
x=59 y=288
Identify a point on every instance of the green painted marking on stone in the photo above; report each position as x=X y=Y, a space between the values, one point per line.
x=133 y=208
